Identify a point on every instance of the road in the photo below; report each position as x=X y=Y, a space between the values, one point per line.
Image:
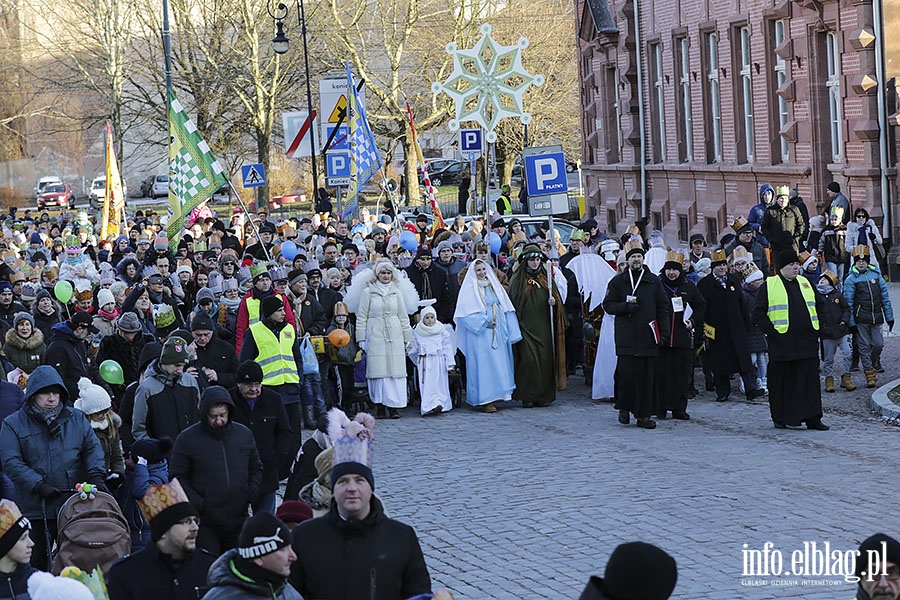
x=530 y=503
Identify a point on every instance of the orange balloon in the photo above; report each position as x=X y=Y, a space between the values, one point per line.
x=339 y=338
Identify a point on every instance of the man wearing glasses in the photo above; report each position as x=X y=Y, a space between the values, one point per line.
x=884 y=581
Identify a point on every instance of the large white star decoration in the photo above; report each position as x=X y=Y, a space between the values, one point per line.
x=487 y=83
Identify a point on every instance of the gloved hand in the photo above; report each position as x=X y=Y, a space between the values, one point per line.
x=363 y=345
x=142 y=461
x=632 y=308
x=890 y=325
x=113 y=481
x=46 y=491
x=99 y=483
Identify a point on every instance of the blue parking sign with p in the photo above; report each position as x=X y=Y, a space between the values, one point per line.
x=546 y=174
x=337 y=165
x=470 y=140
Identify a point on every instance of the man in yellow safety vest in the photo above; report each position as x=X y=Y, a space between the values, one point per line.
x=249 y=311
x=786 y=312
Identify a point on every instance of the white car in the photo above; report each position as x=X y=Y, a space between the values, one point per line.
x=160 y=186
x=98 y=191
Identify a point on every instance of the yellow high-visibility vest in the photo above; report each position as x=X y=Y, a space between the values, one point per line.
x=253 y=309
x=276 y=354
x=778 y=302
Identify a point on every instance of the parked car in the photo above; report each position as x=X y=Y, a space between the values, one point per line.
x=147 y=186
x=449 y=175
x=160 y=186
x=59 y=194
x=45 y=181
x=98 y=191
x=532 y=225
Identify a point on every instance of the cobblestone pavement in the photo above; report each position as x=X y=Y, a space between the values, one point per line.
x=530 y=503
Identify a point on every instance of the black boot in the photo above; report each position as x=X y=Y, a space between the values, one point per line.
x=394 y=414
x=379 y=411
x=309 y=417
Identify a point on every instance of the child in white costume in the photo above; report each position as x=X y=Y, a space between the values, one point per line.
x=434 y=353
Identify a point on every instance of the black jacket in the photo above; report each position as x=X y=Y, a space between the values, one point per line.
x=834 y=315
x=327 y=299
x=69 y=356
x=151 y=575
x=15 y=585
x=801 y=340
x=127 y=354
x=221 y=357
x=679 y=335
x=304 y=469
x=271 y=429
x=633 y=333
x=220 y=470
x=432 y=283
x=727 y=312
x=338 y=559
x=311 y=315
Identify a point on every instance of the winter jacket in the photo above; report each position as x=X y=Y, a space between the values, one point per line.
x=15 y=585
x=728 y=314
x=867 y=295
x=220 y=470
x=26 y=354
x=633 y=334
x=69 y=356
x=122 y=276
x=8 y=313
x=783 y=227
x=127 y=354
x=383 y=324
x=164 y=406
x=432 y=284
x=834 y=315
x=62 y=454
x=327 y=298
x=114 y=459
x=243 y=318
x=45 y=322
x=219 y=356
x=870 y=235
x=679 y=335
x=152 y=575
x=756 y=339
x=271 y=429
x=345 y=355
x=452 y=270
x=310 y=315
x=233 y=578
x=801 y=340
x=336 y=558
x=833 y=244
x=797 y=202
x=305 y=470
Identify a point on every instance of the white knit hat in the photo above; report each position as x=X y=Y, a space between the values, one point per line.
x=91 y=398
x=44 y=586
x=104 y=297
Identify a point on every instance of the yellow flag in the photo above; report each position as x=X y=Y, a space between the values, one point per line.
x=114 y=198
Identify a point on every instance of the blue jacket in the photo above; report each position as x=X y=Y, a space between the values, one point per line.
x=63 y=454
x=867 y=295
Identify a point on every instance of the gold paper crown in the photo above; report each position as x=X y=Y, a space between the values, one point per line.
x=739 y=223
x=739 y=253
x=16 y=277
x=9 y=515
x=341 y=309
x=160 y=497
x=633 y=230
x=674 y=257
x=783 y=190
x=632 y=245
x=861 y=251
x=804 y=256
x=718 y=256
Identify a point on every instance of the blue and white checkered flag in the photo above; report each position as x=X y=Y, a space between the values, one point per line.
x=365 y=157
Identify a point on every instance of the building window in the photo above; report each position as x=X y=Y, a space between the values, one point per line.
x=782 y=105
x=613 y=133
x=683 y=228
x=833 y=85
x=685 y=118
x=611 y=219
x=713 y=113
x=656 y=217
x=657 y=103
x=744 y=121
x=712 y=230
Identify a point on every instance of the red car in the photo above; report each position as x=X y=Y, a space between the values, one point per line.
x=59 y=194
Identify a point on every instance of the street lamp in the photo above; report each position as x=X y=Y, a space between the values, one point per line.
x=280 y=44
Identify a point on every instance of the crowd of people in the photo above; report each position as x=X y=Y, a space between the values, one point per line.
x=178 y=376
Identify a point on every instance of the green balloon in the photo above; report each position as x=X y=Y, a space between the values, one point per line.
x=63 y=291
x=111 y=372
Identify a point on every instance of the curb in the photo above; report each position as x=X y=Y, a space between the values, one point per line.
x=881 y=404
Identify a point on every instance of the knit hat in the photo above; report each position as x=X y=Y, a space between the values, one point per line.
x=107 y=277
x=639 y=570
x=153 y=450
x=785 y=257
x=44 y=586
x=249 y=372
x=161 y=243
x=702 y=264
x=271 y=304
x=294 y=511
x=105 y=297
x=295 y=276
x=36 y=238
x=352 y=442
x=23 y=316
x=834 y=186
x=205 y=294
x=174 y=352
x=12 y=525
x=163 y=505
x=184 y=334
x=91 y=398
x=807 y=259
x=877 y=543
x=531 y=251
x=262 y=534
x=128 y=322
x=202 y=322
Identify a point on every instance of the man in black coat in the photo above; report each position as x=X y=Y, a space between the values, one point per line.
x=431 y=284
x=326 y=297
x=725 y=328
x=68 y=353
x=216 y=358
x=355 y=551
x=782 y=223
x=124 y=347
x=307 y=310
x=261 y=410
x=9 y=308
x=676 y=353
x=217 y=463
x=172 y=567
x=635 y=296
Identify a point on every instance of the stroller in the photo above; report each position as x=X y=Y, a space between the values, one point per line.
x=93 y=533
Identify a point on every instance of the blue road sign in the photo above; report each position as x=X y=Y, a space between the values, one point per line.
x=470 y=142
x=546 y=174
x=337 y=168
x=341 y=139
x=253 y=175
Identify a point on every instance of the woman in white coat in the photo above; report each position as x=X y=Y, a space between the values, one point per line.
x=435 y=355
x=384 y=334
x=862 y=231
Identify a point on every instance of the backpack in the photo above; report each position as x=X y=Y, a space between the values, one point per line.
x=92 y=533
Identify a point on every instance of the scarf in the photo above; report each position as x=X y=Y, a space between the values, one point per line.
x=101 y=425
x=429 y=330
x=382 y=288
x=109 y=316
x=231 y=303
x=825 y=288
x=45 y=415
x=723 y=281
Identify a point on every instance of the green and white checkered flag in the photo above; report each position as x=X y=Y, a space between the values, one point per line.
x=194 y=171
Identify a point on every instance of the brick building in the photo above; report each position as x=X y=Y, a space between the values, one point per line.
x=736 y=93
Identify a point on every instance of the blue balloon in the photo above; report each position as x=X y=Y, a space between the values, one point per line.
x=495 y=243
x=408 y=241
x=289 y=250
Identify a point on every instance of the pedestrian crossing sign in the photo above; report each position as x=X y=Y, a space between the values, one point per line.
x=253 y=175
